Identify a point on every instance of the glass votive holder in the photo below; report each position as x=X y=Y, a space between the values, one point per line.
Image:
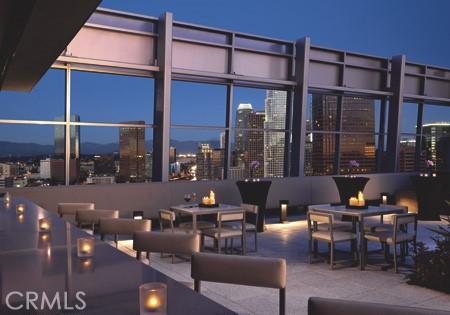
x=20 y=208
x=153 y=298
x=44 y=225
x=85 y=247
x=7 y=198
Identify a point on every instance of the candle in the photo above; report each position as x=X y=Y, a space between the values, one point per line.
x=20 y=208
x=353 y=201
x=7 y=198
x=20 y=218
x=212 y=198
x=384 y=199
x=205 y=200
x=152 y=298
x=434 y=174
x=85 y=247
x=44 y=225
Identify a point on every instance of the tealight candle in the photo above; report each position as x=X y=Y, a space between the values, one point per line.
x=20 y=208
x=153 y=298
x=7 y=198
x=353 y=201
x=44 y=225
x=85 y=247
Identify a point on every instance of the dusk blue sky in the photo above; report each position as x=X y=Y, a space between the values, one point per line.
x=418 y=28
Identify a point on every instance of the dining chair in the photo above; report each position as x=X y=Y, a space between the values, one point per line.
x=252 y=216
x=399 y=235
x=123 y=226
x=320 y=228
x=252 y=271
x=92 y=217
x=68 y=210
x=167 y=220
x=228 y=232
x=171 y=243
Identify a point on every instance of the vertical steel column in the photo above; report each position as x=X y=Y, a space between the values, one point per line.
x=395 y=111
x=288 y=135
x=163 y=82
x=300 y=104
x=381 y=134
x=67 y=129
x=229 y=111
x=337 y=137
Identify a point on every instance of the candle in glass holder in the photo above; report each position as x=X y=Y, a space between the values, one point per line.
x=353 y=201
x=7 y=198
x=85 y=247
x=153 y=298
x=20 y=208
x=44 y=225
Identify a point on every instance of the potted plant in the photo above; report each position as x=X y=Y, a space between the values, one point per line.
x=349 y=185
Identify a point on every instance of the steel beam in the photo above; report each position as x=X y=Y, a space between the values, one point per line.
x=395 y=112
x=300 y=104
x=67 y=128
x=163 y=83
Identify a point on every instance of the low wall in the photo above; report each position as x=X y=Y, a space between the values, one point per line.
x=150 y=197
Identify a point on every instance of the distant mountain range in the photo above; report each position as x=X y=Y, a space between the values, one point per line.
x=35 y=149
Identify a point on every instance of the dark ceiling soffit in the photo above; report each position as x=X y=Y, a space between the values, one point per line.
x=34 y=34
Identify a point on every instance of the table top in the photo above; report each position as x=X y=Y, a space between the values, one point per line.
x=195 y=209
x=370 y=211
x=31 y=262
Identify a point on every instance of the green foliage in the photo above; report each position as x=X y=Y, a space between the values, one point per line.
x=433 y=265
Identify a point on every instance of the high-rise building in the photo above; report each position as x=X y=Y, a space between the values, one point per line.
x=148 y=165
x=407 y=155
x=7 y=169
x=275 y=118
x=209 y=162
x=132 y=152
x=241 y=138
x=222 y=140
x=357 y=116
x=437 y=144
x=255 y=144
x=44 y=169
x=60 y=144
x=172 y=155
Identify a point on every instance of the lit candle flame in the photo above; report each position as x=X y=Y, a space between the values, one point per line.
x=153 y=302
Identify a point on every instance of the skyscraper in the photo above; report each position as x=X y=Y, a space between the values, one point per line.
x=357 y=117
x=241 y=138
x=209 y=162
x=275 y=118
x=437 y=144
x=60 y=144
x=255 y=144
x=132 y=152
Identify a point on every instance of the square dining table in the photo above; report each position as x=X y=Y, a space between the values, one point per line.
x=358 y=216
x=195 y=210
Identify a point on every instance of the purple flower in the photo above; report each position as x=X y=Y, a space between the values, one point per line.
x=254 y=164
x=353 y=163
x=430 y=163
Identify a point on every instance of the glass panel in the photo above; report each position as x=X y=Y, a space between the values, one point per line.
x=198 y=104
x=260 y=44
x=257 y=153
x=360 y=148
x=111 y=98
x=319 y=154
x=409 y=118
x=322 y=112
x=109 y=155
x=407 y=154
x=45 y=102
x=270 y=103
x=201 y=35
x=27 y=156
x=358 y=115
x=196 y=154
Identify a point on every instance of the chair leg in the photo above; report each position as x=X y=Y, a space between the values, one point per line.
x=331 y=256
x=256 y=240
x=395 y=258
x=197 y=285
x=218 y=246
x=243 y=245
x=310 y=250
x=138 y=254
x=283 y=301
x=116 y=240
x=148 y=255
x=226 y=246
x=102 y=237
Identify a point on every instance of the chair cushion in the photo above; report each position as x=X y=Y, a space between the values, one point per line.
x=123 y=226
x=386 y=237
x=378 y=227
x=225 y=232
x=248 y=226
x=170 y=243
x=201 y=225
x=337 y=226
x=339 y=236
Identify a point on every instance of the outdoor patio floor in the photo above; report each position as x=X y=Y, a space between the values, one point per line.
x=290 y=241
